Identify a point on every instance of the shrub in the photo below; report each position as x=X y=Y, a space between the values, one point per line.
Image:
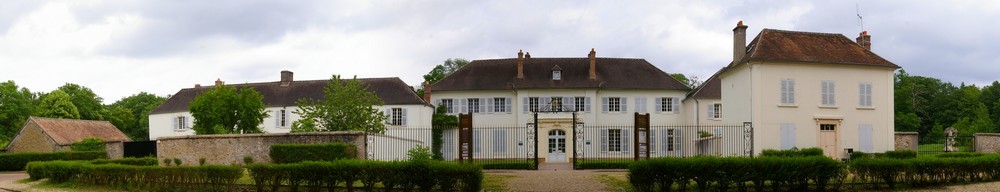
x=901 y=154
x=201 y=161
x=17 y=161
x=177 y=161
x=922 y=171
x=794 y=173
x=294 y=153
x=960 y=155
x=601 y=164
x=505 y=164
x=793 y=152
x=146 y=161
x=247 y=160
x=151 y=178
x=166 y=162
x=419 y=153
x=88 y=144
x=426 y=175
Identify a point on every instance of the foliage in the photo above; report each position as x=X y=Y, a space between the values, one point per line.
x=247 y=160
x=145 y=161
x=505 y=164
x=603 y=164
x=177 y=161
x=135 y=123
x=17 y=104
x=924 y=171
x=419 y=153
x=17 y=161
x=151 y=178
x=405 y=175
x=928 y=105
x=899 y=154
x=794 y=173
x=225 y=110
x=703 y=134
x=442 y=70
x=88 y=144
x=692 y=82
x=294 y=153
x=440 y=121
x=960 y=155
x=85 y=100
x=201 y=161
x=793 y=152
x=57 y=104
x=346 y=105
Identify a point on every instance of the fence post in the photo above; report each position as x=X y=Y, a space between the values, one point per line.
x=536 y=139
x=748 y=139
x=575 y=146
x=641 y=141
x=465 y=137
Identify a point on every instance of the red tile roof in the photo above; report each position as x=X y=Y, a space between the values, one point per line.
x=612 y=74
x=69 y=131
x=810 y=47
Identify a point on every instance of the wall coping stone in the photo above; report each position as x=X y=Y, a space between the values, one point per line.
x=986 y=134
x=907 y=133
x=223 y=136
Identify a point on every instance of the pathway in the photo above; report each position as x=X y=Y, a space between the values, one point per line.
x=556 y=177
x=8 y=181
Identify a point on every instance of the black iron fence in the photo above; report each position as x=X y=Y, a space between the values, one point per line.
x=613 y=146
x=936 y=144
x=500 y=147
x=139 y=149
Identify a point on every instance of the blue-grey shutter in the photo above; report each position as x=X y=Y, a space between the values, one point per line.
x=490 y=102
x=604 y=140
x=388 y=115
x=288 y=118
x=658 y=104
x=833 y=94
x=677 y=104
x=784 y=91
x=462 y=105
x=626 y=139
x=189 y=121
x=476 y=141
x=586 y=104
x=277 y=118
x=865 y=138
x=524 y=101
x=711 y=111
x=604 y=104
x=403 y=116
x=640 y=104
x=825 y=87
x=508 y=105
x=544 y=103
x=653 y=148
x=567 y=103
x=175 y=119
x=787 y=135
x=678 y=136
x=791 y=91
x=624 y=105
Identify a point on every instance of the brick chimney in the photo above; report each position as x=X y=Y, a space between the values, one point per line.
x=427 y=91
x=865 y=40
x=520 y=64
x=593 y=63
x=286 y=78
x=739 y=41
x=218 y=82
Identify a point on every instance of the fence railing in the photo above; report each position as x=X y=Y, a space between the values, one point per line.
x=606 y=146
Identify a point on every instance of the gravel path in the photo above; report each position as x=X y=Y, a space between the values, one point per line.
x=8 y=181
x=556 y=177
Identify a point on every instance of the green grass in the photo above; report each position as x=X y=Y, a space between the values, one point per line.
x=69 y=186
x=494 y=182
x=936 y=148
x=616 y=182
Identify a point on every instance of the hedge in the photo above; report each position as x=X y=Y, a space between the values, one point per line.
x=778 y=173
x=17 y=161
x=794 y=152
x=900 y=154
x=405 y=175
x=294 y=153
x=146 y=178
x=924 y=171
x=604 y=164
x=145 y=161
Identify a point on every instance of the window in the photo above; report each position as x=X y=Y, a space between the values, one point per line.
x=579 y=103
x=555 y=104
x=396 y=117
x=500 y=104
x=614 y=140
x=715 y=111
x=828 y=93
x=499 y=141
x=827 y=127
x=532 y=104
x=473 y=105
x=556 y=75
x=865 y=92
x=669 y=145
x=448 y=103
x=614 y=104
x=787 y=135
x=281 y=118
x=788 y=92
x=181 y=123
x=668 y=104
x=640 y=105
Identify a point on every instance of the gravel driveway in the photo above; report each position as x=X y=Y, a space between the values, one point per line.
x=8 y=181
x=556 y=177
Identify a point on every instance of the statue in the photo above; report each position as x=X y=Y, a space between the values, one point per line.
x=949 y=143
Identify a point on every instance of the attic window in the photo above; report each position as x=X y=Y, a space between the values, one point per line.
x=556 y=75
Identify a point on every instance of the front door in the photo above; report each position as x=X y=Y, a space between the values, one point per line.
x=557 y=146
x=828 y=140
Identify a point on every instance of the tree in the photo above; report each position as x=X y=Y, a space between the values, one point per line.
x=86 y=101
x=691 y=82
x=138 y=105
x=16 y=104
x=991 y=98
x=57 y=104
x=441 y=121
x=440 y=71
x=123 y=120
x=225 y=110
x=346 y=105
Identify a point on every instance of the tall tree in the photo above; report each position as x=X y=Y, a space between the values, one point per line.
x=442 y=70
x=346 y=105
x=225 y=110
x=16 y=104
x=991 y=99
x=692 y=81
x=139 y=106
x=85 y=100
x=57 y=104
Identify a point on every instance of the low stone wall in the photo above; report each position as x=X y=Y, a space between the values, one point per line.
x=115 y=149
x=231 y=148
x=907 y=140
x=987 y=142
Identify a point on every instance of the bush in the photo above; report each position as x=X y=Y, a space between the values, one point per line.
x=247 y=160
x=960 y=155
x=151 y=178
x=793 y=152
x=405 y=175
x=294 y=153
x=146 y=161
x=88 y=144
x=924 y=171
x=505 y=164
x=604 y=164
x=17 y=161
x=901 y=154
x=780 y=173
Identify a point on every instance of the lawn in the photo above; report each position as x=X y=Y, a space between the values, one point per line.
x=494 y=182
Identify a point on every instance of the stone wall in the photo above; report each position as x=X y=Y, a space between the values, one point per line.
x=231 y=148
x=31 y=139
x=907 y=140
x=987 y=142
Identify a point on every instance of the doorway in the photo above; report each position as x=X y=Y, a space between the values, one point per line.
x=557 y=146
x=828 y=140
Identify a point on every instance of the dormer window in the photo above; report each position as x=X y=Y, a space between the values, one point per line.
x=556 y=73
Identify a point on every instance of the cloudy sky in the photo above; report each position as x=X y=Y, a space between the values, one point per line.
x=119 y=48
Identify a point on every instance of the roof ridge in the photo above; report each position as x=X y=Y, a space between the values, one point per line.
x=273 y=82
x=37 y=117
x=801 y=32
x=623 y=58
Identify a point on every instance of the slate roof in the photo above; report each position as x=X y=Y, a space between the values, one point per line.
x=810 y=47
x=69 y=131
x=710 y=89
x=612 y=74
x=392 y=91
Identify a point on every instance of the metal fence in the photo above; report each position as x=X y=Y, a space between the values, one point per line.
x=139 y=149
x=936 y=144
x=596 y=146
x=500 y=147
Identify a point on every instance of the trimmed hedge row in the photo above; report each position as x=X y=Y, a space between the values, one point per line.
x=17 y=161
x=294 y=153
x=960 y=155
x=604 y=164
x=794 y=152
x=924 y=171
x=900 y=154
x=145 y=161
x=778 y=173
x=406 y=175
x=151 y=178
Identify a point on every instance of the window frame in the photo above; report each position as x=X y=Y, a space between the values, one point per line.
x=500 y=104
x=615 y=140
x=614 y=104
x=717 y=111
x=472 y=105
x=396 y=116
x=449 y=104
x=533 y=103
x=181 y=122
x=556 y=75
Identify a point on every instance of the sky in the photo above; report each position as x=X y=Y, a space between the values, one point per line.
x=120 y=48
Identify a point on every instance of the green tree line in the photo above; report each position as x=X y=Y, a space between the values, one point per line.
x=928 y=105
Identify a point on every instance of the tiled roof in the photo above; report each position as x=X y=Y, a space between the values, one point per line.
x=810 y=47
x=69 y=131
x=612 y=74
x=710 y=89
x=392 y=91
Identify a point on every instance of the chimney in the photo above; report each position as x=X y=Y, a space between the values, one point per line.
x=286 y=78
x=593 y=63
x=197 y=85
x=865 y=40
x=218 y=82
x=520 y=64
x=427 y=91
x=527 y=56
x=739 y=41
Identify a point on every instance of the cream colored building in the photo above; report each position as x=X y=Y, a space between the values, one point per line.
x=805 y=89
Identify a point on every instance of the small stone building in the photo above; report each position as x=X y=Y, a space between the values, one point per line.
x=41 y=134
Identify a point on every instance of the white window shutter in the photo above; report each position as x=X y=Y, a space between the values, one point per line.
x=624 y=105
x=544 y=103
x=604 y=104
x=524 y=101
x=567 y=103
x=288 y=118
x=658 y=104
x=784 y=91
x=476 y=141
x=462 y=108
x=403 y=116
x=833 y=95
x=677 y=105
x=787 y=135
x=865 y=138
x=626 y=139
x=490 y=102
x=277 y=118
x=604 y=140
x=189 y=121
x=508 y=105
x=711 y=111
x=388 y=115
x=175 y=120
x=640 y=104
x=586 y=104
x=791 y=91
x=483 y=103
